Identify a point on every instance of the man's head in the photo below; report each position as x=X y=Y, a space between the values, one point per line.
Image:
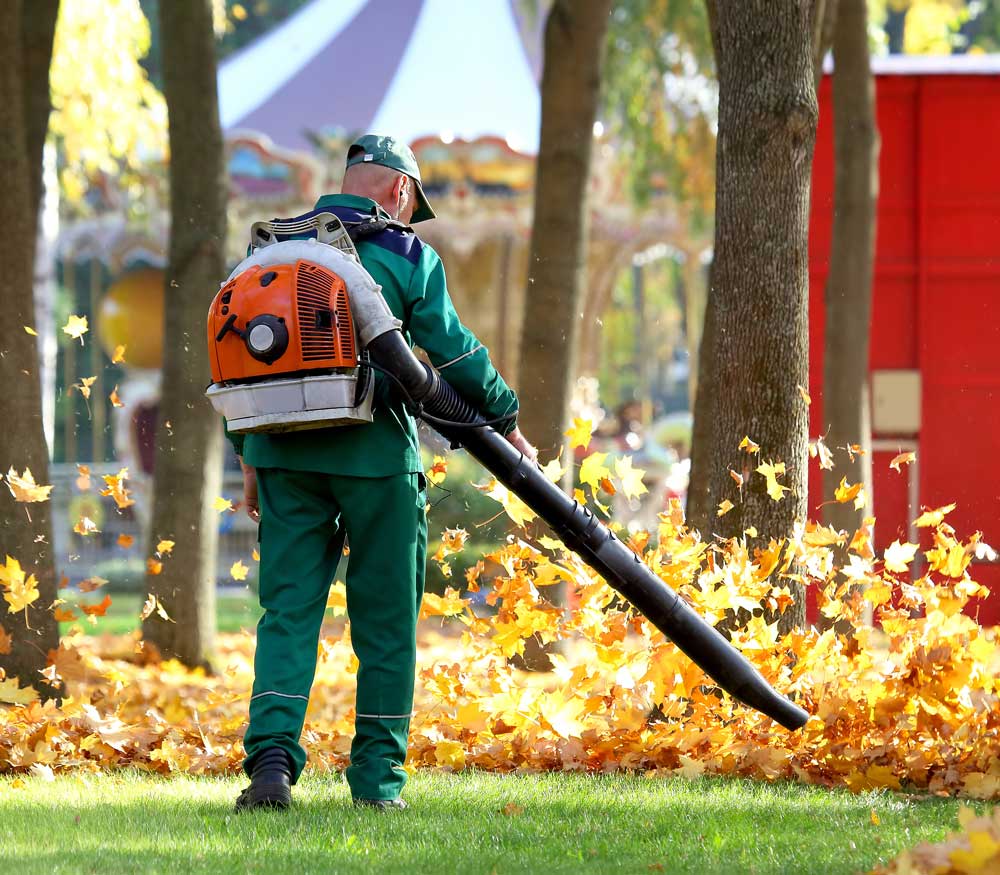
x=385 y=170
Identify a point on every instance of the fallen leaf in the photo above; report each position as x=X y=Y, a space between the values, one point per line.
x=770 y=471
x=932 y=518
x=164 y=547
x=898 y=556
x=238 y=571
x=114 y=399
x=31 y=331
x=85 y=526
x=749 y=445
x=125 y=541
x=222 y=504
x=119 y=355
x=805 y=395
x=631 y=478
x=724 y=507
x=97 y=610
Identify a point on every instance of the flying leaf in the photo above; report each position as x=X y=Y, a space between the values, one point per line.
x=255 y=554
x=818 y=449
x=164 y=547
x=898 y=556
x=151 y=604
x=85 y=526
x=738 y=478
x=845 y=492
x=724 y=507
x=771 y=470
x=84 y=386
x=238 y=571
x=83 y=478
x=902 y=459
x=631 y=478
x=222 y=504
x=125 y=541
x=805 y=395
x=31 y=331
x=932 y=518
x=119 y=355
x=76 y=327
x=593 y=469
x=580 y=433
x=437 y=471
x=24 y=488
x=749 y=445
x=5 y=642
x=554 y=470
x=516 y=509
x=114 y=399
x=116 y=488
x=154 y=566
x=21 y=592
x=91 y=583
x=607 y=486
x=97 y=610
x=64 y=615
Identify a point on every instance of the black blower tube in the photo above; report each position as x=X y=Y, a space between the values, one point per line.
x=583 y=533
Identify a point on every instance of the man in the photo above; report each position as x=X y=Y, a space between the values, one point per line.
x=309 y=490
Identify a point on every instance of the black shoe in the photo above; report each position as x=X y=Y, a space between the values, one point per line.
x=270 y=782
x=396 y=804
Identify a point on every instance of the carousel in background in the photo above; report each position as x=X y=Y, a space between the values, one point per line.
x=287 y=132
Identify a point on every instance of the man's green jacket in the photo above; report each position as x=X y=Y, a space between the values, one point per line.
x=413 y=283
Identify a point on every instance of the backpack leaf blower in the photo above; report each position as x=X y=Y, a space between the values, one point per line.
x=293 y=336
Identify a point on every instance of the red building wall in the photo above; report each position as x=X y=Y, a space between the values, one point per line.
x=936 y=294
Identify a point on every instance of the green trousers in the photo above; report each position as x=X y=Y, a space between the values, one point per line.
x=305 y=517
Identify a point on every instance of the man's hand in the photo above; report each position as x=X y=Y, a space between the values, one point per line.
x=520 y=442
x=250 y=491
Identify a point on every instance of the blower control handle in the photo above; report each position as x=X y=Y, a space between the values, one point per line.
x=230 y=326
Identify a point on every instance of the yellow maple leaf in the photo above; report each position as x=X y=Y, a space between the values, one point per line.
x=24 y=488
x=437 y=471
x=151 y=604
x=222 y=504
x=631 y=478
x=593 y=470
x=238 y=571
x=21 y=592
x=846 y=492
x=724 y=507
x=116 y=488
x=451 y=604
x=164 y=547
x=554 y=470
x=255 y=553
x=450 y=754
x=76 y=327
x=12 y=694
x=749 y=445
x=983 y=849
x=580 y=433
x=818 y=449
x=516 y=509
x=898 y=556
x=931 y=518
x=119 y=355
x=771 y=470
x=114 y=399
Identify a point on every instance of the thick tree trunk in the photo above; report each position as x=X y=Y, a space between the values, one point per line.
x=24 y=111
x=574 y=50
x=852 y=252
x=188 y=449
x=755 y=344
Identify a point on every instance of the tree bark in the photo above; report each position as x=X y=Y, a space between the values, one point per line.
x=852 y=253
x=26 y=533
x=574 y=51
x=187 y=472
x=755 y=344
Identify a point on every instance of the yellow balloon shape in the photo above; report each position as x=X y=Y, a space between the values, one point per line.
x=131 y=313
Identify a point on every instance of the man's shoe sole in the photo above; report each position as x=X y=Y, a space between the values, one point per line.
x=381 y=804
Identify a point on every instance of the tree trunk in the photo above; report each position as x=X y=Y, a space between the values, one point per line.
x=574 y=50
x=24 y=112
x=187 y=472
x=755 y=345
x=852 y=253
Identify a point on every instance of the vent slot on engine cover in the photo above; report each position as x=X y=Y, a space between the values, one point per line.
x=318 y=293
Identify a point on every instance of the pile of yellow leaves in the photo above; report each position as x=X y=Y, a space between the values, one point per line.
x=914 y=700
x=974 y=851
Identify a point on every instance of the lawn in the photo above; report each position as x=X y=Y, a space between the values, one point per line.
x=234 y=610
x=471 y=822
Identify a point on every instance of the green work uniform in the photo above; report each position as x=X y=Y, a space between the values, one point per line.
x=363 y=483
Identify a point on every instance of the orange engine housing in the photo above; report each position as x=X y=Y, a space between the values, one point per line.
x=309 y=301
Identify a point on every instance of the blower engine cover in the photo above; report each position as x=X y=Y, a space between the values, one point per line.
x=282 y=342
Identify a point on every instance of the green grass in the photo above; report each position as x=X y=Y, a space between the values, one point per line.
x=130 y=822
x=232 y=612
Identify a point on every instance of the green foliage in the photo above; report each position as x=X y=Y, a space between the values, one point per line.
x=130 y=821
x=660 y=98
